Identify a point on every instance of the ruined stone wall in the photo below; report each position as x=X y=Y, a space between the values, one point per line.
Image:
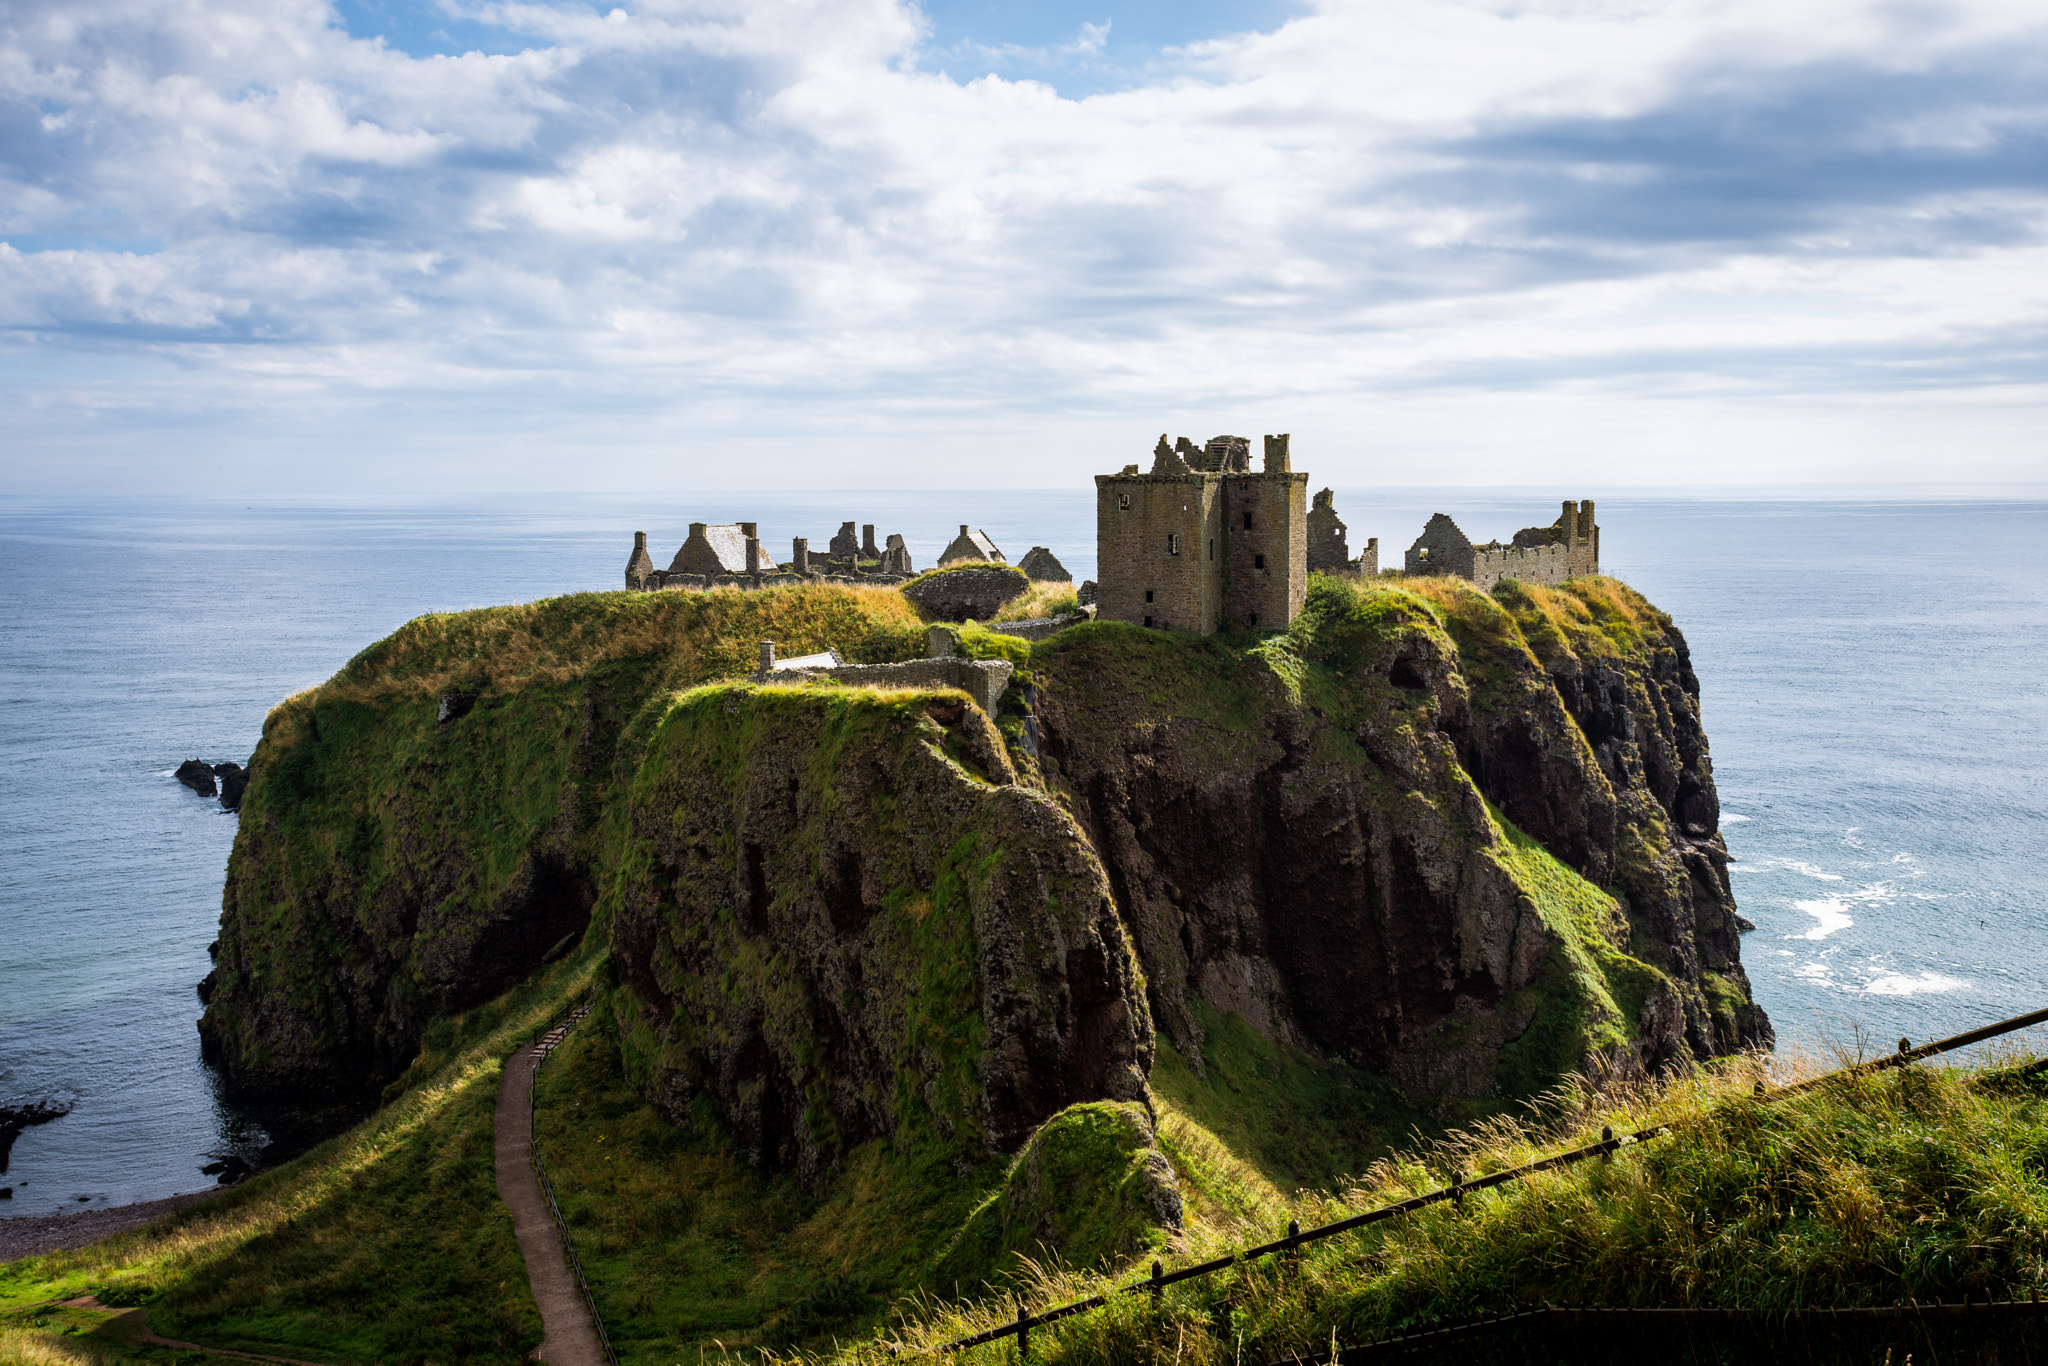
x=1547 y=564
x=1265 y=546
x=1441 y=549
x=1157 y=536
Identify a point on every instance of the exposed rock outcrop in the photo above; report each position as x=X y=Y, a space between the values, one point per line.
x=234 y=781
x=845 y=916
x=15 y=1118
x=196 y=774
x=1305 y=839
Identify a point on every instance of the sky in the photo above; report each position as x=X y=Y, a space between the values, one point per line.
x=289 y=247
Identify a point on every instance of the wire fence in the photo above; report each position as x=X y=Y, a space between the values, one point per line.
x=548 y=1039
x=1455 y=1193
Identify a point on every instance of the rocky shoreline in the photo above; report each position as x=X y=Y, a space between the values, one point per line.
x=34 y=1235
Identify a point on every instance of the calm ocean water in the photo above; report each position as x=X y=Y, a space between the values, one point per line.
x=1875 y=677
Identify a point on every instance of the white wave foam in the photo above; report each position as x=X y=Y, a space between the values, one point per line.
x=1899 y=984
x=1831 y=912
x=1730 y=818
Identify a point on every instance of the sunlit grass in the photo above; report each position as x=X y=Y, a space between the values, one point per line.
x=1927 y=1183
x=386 y=1243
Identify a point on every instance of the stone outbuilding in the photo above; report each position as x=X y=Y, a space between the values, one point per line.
x=720 y=548
x=971 y=547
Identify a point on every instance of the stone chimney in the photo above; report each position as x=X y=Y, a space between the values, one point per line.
x=800 y=554
x=867 y=542
x=753 y=549
x=767 y=656
x=639 y=568
x=1277 y=461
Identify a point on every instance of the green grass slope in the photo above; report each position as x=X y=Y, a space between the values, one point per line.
x=1927 y=1184
x=386 y=1243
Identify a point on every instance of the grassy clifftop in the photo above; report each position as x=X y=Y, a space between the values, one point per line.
x=881 y=978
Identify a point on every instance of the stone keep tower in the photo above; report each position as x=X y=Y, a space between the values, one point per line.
x=1198 y=549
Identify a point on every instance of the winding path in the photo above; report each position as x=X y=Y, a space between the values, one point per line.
x=568 y=1339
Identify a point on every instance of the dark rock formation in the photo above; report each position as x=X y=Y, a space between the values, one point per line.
x=234 y=781
x=847 y=917
x=15 y=1118
x=973 y=593
x=1330 y=872
x=197 y=774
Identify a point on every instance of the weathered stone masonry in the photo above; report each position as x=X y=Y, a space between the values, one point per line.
x=1200 y=546
x=1566 y=549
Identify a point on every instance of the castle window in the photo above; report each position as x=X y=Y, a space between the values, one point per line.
x=1258 y=561
x=1247 y=521
x=1123 y=500
x=1148 y=595
x=1148 y=621
x=1251 y=618
x=1173 y=543
x=1212 y=547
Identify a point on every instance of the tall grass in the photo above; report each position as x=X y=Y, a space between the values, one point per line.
x=1925 y=1183
x=386 y=1243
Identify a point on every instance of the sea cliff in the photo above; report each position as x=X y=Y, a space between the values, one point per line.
x=1466 y=843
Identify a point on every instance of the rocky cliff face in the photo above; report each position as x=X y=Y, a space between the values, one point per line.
x=1466 y=842
x=424 y=829
x=1304 y=833
x=841 y=918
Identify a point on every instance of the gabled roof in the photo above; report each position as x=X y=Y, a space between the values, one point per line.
x=722 y=549
x=972 y=545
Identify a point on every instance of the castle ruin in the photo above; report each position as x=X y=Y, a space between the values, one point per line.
x=731 y=554
x=1201 y=542
x=1326 y=548
x=1566 y=549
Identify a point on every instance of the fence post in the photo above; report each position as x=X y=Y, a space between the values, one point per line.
x=1294 y=1252
x=1607 y=1136
x=1023 y=1332
x=1158 y=1286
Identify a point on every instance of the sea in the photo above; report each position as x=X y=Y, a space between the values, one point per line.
x=1874 y=674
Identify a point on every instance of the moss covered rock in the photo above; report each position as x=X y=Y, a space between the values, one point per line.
x=840 y=918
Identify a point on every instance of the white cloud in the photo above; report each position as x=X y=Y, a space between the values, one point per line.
x=1536 y=236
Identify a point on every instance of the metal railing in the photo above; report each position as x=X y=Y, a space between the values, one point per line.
x=1610 y=1142
x=549 y=1038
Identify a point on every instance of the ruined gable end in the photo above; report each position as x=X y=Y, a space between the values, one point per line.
x=1327 y=548
x=1441 y=549
x=1040 y=565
